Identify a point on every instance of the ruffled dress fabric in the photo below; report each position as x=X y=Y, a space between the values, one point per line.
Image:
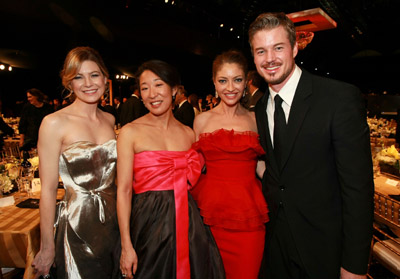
x=87 y=234
x=229 y=194
x=160 y=177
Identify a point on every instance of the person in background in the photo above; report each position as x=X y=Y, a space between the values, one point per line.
x=215 y=101
x=184 y=111
x=31 y=118
x=105 y=106
x=253 y=92
x=229 y=193
x=193 y=100
x=5 y=130
x=56 y=104
x=162 y=234
x=133 y=108
x=78 y=143
x=117 y=107
x=318 y=180
x=201 y=105
x=209 y=104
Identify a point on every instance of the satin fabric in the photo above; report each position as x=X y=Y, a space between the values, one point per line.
x=167 y=232
x=86 y=223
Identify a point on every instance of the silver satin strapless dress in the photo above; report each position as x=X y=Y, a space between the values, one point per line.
x=87 y=235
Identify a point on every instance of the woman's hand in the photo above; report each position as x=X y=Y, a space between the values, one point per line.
x=128 y=262
x=42 y=262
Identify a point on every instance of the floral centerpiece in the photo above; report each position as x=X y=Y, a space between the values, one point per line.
x=8 y=174
x=34 y=162
x=380 y=127
x=388 y=159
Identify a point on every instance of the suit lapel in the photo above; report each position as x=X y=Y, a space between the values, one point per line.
x=298 y=111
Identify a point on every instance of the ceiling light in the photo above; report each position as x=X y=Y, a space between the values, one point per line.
x=221 y=25
x=10 y=68
x=231 y=29
x=2 y=67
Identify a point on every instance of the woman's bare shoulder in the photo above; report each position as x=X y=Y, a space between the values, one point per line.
x=201 y=121
x=55 y=119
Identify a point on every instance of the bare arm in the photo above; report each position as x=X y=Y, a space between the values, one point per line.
x=125 y=150
x=49 y=147
x=260 y=168
x=344 y=274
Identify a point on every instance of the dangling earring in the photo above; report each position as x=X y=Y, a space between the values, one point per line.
x=216 y=94
x=173 y=98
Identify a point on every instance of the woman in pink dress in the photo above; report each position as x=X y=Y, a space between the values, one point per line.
x=228 y=193
x=162 y=234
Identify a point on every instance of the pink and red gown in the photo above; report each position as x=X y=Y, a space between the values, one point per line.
x=230 y=199
x=167 y=231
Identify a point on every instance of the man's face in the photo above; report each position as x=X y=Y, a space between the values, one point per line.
x=274 y=56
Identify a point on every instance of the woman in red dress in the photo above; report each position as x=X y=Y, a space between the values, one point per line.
x=228 y=193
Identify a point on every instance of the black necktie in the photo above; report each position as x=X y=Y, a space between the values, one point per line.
x=279 y=129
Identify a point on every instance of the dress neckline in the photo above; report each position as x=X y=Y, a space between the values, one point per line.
x=88 y=142
x=164 y=151
x=228 y=131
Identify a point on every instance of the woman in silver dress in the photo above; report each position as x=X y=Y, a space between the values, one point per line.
x=78 y=143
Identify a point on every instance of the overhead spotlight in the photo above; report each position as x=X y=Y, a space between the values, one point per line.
x=2 y=67
x=173 y=2
x=316 y=69
x=117 y=76
x=166 y=1
x=10 y=68
x=238 y=37
x=221 y=25
x=231 y=29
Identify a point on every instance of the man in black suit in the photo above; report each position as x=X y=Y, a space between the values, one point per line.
x=254 y=93
x=117 y=107
x=318 y=180
x=132 y=109
x=184 y=111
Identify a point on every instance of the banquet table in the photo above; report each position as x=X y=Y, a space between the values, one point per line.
x=381 y=141
x=387 y=187
x=20 y=236
x=387 y=184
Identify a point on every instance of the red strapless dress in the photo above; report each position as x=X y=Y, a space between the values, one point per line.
x=230 y=199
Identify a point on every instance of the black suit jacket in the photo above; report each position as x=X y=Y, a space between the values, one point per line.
x=254 y=99
x=132 y=109
x=185 y=114
x=325 y=184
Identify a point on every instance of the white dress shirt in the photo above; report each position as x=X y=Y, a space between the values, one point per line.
x=287 y=94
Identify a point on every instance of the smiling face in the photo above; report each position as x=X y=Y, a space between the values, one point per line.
x=274 y=56
x=33 y=100
x=156 y=94
x=229 y=82
x=89 y=84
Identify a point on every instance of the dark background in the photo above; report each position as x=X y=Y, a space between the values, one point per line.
x=37 y=34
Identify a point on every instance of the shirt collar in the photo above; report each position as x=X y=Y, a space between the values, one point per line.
x=289 y=89
x=181 y=103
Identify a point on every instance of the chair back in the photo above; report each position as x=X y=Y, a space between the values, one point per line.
x=386 y=241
